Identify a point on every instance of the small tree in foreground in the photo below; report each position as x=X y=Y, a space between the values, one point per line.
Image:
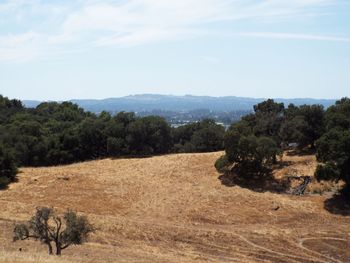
x=46 y=227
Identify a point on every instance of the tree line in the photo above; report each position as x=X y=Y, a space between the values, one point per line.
x=253 y=144
x=62 y=133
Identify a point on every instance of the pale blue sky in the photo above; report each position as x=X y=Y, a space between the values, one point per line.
x=57 y=50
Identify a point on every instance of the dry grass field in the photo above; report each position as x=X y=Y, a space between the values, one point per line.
x=177 y=208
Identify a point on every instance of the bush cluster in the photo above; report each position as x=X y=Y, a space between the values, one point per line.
x=257 y=140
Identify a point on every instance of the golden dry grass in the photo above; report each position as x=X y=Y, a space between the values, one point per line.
x=175 y=209
x=26 y=257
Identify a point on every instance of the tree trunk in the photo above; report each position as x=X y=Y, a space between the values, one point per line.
x=50 y=248
x=347 y=181
x=58 y=249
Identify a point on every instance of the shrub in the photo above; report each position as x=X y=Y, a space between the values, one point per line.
x=221 y=164
x=327 y=172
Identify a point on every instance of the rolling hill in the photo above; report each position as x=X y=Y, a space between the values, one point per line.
x=176 y=208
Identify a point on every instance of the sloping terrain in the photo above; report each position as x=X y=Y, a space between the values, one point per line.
x=176 y=208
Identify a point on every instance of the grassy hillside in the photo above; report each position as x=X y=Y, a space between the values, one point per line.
x=177 y=208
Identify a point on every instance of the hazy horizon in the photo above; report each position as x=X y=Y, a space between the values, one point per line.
x=172 y=95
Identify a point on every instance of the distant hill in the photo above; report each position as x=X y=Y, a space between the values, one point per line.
x=149 y=102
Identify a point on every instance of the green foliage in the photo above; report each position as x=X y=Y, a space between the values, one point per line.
x=267 y=150
x=77 y=229
x=269 y=106
x=338 y=115
x=333 y=148
x=92 y=140
x=292 y=131
x=115 y=146
x=250 y=150
x=222 y=163
x=46 y=227
x=149 y=135
x=255 y=142
x=302 y=125
x=208 y=137
x=8 y=169
x=327 y=172
x=8 y=108
x=268 y=119
x=203 y=136
x=314 y=118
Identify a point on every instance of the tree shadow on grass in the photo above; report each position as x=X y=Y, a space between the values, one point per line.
x=339 y=204
x=138 y=156
x=4 y=184
x=301 y=152
x=282 y=164
x=131 y=157
x=259 y=182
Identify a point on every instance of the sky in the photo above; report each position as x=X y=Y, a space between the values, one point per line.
x=70 y=49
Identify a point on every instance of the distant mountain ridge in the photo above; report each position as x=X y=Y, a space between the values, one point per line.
x=149 y=102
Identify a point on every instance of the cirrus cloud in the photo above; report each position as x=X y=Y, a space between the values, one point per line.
x=40 y=28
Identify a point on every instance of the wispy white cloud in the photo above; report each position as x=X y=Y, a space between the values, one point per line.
x=19 y=47
x=40 y=28
x=273 y=35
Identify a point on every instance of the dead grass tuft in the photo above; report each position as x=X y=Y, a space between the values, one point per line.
x=324 y=187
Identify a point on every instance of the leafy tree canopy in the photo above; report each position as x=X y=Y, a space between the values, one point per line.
x=50 y=229
x=333 y=148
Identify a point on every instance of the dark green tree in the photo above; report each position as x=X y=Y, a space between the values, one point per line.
x=8 y=108
x=115 y=146
x=8 y=169
x=253 y=144
x=268 y=106
x=92 y=139
x=333 y=148
x=149 y=135
x=292 y=131
x=313 y=116
x=337 y=116
x=268 y=119
x=250 y=153
x=209 y=137
x=303 y=125
x=203 y=136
